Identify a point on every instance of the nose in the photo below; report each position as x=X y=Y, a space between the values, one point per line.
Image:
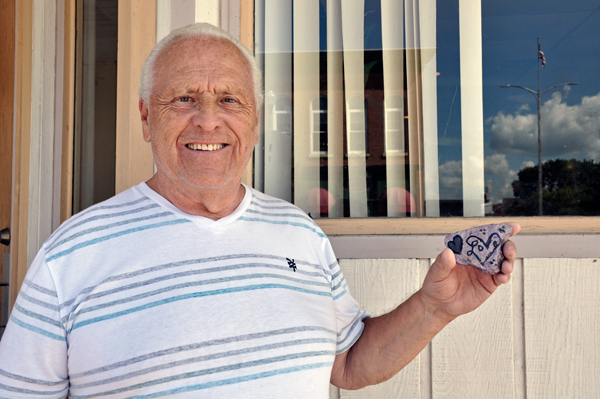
x=207 y=116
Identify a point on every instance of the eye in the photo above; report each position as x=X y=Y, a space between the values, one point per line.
x=230 y=100
x=185 y=99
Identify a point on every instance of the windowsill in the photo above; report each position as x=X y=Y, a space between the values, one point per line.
x=429 y=246
x=444 y=226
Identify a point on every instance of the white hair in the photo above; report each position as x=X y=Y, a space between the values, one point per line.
x=199 y=30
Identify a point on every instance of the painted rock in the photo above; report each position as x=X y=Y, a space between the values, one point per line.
x=481 y=246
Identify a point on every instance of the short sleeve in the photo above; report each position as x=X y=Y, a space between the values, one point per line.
x=33 y=349
x=349 y=315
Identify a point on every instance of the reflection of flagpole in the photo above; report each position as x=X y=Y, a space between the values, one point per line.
x=541 y=59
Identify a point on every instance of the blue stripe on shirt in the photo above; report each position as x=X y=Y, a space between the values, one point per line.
x=222 y=369
x=115 y=235
x=36 y=329
x=236 y=380
x=195 y=295
x=106 y=227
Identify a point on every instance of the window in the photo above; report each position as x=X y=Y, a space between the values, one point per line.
x=394 y=126
x=409 y=135
x=357 y=126
x=318 y=124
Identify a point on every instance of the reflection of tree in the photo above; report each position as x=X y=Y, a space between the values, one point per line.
x=571 y=187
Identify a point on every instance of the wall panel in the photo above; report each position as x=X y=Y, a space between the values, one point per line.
x=562 y=332
x=473 y=356
x=380 y=286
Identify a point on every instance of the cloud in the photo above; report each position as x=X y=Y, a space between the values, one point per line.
x=567 y=130
x=499 y=177
x=496 y=164
x=451 y=180
x=498 y=174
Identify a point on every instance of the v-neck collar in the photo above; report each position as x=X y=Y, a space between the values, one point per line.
x=199 y=221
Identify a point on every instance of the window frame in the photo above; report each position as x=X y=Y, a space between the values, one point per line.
x=448 y=225
x=428 y=226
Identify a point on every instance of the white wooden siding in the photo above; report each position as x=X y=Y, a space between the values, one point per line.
x=536 y=337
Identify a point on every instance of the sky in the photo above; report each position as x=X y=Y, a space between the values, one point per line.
x=569 y=34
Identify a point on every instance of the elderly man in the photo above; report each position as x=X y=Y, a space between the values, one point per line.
x=194 y=285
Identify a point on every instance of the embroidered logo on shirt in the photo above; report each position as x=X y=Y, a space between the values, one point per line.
x=291 y=264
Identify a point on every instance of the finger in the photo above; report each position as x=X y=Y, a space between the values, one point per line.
x=516 y=228
x=509 y=250
x=443 y=265
x=507 y=267
x=501 y=278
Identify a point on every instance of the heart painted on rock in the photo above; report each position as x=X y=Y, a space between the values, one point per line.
x=456 y=244
x=480 y=249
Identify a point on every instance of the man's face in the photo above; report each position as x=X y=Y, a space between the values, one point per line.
x=202 y=118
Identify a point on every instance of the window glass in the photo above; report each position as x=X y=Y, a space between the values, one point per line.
x=568 y=52
x=416 y=108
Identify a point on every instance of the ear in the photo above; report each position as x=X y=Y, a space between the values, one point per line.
x=256 y=129
x=145 y=122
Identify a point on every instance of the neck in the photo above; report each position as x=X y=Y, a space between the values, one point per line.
x=212 y=203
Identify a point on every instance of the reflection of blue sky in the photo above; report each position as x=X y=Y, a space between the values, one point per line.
x=569 y=33
x=570 y=38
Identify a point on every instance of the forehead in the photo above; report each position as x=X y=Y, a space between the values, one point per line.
x=213 y=60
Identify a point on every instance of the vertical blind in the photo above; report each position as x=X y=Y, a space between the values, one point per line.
x=349 y=130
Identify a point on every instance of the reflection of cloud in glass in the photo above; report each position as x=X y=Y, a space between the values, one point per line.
x=451 y=180
x=567 y=130
x=499 y=177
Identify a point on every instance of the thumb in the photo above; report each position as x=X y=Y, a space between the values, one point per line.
x=443 y=265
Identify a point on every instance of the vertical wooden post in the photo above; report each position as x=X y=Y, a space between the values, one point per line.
x=20 y=208
x=137 y=36
x=7 y=85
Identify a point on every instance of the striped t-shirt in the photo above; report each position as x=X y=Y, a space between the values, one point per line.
x=135 y=298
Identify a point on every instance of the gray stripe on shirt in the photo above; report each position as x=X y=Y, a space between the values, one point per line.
x=220 y=341
x=31 y=380
x=204 y=359
x=176 y=287
x=187 y=262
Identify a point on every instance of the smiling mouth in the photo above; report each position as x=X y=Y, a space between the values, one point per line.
x=205 y=147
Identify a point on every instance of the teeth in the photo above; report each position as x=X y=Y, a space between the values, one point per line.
x=205 y=147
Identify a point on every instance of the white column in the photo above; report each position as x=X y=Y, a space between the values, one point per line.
x=259 y=53
x=208 y=11
x=427 y=23
x=414 y=104
x=163 y=19
x=392 y=32
x=471 y=89
x=335 y=108
x=306 y=90
x=353 y=31
x=278 y=97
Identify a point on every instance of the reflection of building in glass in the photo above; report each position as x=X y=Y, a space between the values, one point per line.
x=282 y=115
x=318 y=124
x=357 y=126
